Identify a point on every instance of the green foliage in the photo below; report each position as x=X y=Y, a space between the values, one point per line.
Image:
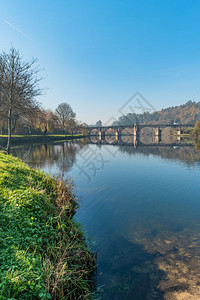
x=187 y=130
x=188 y=113
x=196 y=131
x=42 y=250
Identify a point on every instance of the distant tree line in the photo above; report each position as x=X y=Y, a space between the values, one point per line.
x=20 y=113
x=188 y=113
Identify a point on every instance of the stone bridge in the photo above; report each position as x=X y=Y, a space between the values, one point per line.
x=103 y=131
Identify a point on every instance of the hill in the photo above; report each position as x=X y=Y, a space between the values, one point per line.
x=188 y=113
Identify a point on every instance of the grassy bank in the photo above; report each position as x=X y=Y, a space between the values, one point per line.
x=21 y=139
x=43 y=254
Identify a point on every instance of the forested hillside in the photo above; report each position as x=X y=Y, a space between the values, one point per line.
x=188 y=113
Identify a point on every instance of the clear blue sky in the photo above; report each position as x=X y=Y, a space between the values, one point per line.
x=97 y=53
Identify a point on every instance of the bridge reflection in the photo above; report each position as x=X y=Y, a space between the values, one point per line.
x=136 y=141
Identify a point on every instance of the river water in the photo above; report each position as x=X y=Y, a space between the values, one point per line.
x=140 y=208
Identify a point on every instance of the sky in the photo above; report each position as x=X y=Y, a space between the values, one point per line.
x=96 y=54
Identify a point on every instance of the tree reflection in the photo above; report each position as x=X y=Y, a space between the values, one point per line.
x=197 y=144
x=61 y=154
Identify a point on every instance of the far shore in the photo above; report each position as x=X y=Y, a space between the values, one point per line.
x=21 y=139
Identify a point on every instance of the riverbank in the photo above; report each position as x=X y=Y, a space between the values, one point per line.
x=22 y=139
x=43 y=253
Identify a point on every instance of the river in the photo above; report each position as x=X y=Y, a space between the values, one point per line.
x=139 y=207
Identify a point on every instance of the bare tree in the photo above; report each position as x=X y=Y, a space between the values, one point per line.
x=65 y=116
x=18 y=88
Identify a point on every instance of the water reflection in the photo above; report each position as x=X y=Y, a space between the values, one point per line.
x=142 y=210
x=63 y=154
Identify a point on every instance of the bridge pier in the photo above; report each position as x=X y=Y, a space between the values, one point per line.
x=158 y=138
x=118 y=135
x=179 y=131
x=158 y=131
x=158 y=134
x=179 y=138
x=135 y=140
x=136 y=131
x=101 y=135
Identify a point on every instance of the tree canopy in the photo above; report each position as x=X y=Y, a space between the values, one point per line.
x=66 y=116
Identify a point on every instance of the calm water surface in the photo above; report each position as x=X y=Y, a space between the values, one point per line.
x=141 y=209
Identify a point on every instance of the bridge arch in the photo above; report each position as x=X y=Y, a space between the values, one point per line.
x=126 y=131
x=127 y=139
x=94 y=131
x=110 y=139
x=94 y=139
x=168 y=134
x=110 y=131
x=147 y=135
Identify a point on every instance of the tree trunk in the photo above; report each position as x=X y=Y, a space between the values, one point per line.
x=45 y=130
x=9 y=130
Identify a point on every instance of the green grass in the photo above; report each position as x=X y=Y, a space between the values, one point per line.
x=43 y=254
x=21 y=139
x=39 y=135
